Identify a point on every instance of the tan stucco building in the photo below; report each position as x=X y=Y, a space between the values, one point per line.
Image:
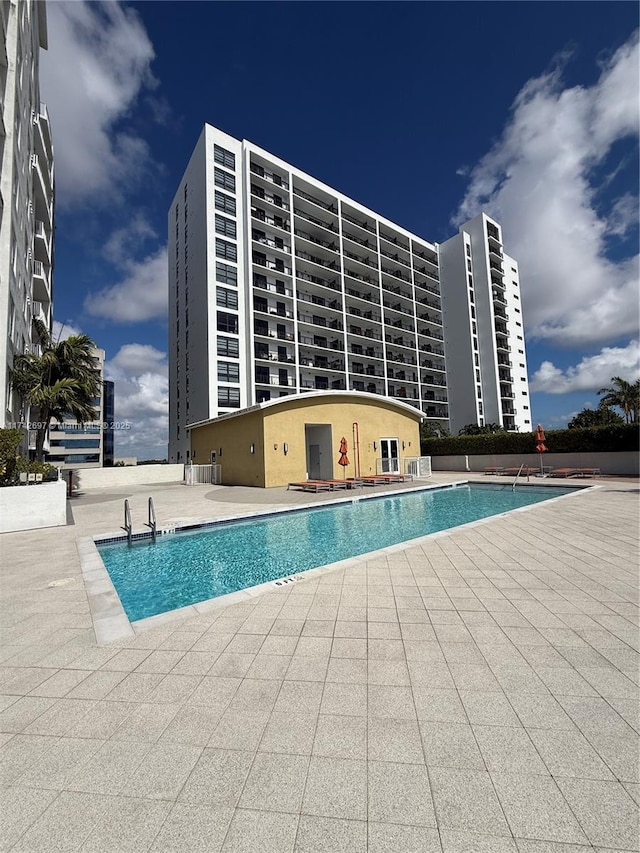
x=298 y=437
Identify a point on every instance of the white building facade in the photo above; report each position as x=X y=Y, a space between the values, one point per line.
x=26 y=193
x=279 y=284
x=484 y=329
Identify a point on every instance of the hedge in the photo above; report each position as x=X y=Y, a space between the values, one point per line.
x=613 y=437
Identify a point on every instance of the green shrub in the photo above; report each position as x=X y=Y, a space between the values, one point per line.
x=613 y=437
x=12 y=464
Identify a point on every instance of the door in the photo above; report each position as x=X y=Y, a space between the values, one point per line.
x=390 y=462
x=314 y=462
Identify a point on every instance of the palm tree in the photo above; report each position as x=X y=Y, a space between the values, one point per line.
x=624 y=395
x=62 y=381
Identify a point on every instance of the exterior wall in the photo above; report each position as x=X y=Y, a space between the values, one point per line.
x=235 y=437
x=32 y=507
x=107 y=478
x=273 y=427
x=456 y=312
x=623 y=464
x=518 y=354
x=490 y=375
x=26 y=193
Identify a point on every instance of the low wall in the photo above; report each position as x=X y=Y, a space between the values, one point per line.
x=106 y=478
x=625 y=464
x=34 y=506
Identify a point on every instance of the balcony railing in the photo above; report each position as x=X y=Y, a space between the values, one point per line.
x=304 y=215
x=333 y=284
x=360 y=223
x=395 y=274
x=275 y=200
x=333 y=247
x=359 y=240
x=366 y=261
x=330 y=207
x=330 y=265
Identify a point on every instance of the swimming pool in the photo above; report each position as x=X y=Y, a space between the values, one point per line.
x=196 y=564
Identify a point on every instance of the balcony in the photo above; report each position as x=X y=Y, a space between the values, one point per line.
x=272 y=198
x=272 y=286
x=309 y=217
x=431 y=349
x=42 y=178
x=320 y=341
x=368 y=244
x=275 y=264
x=366 y=278
x=315 y=259
x=332 y=284
x=429 y=333
x=42 y=243
x=322 y=203
x=367 y=262
x=396 y=273
x=41 y=286
x=275 y=221
x=267 y=175
x=331 y=245
x=396 y=257
x=44 y=130
x=360 y=294
x=361 y=223
x=312 y=299
x=400 y=358
x=272 y=242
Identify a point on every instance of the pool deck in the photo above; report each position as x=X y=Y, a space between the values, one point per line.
x=473 y=693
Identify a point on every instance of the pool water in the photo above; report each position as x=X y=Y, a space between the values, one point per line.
x=194 y=565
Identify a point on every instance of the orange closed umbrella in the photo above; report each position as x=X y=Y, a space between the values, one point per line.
x=344 y=459
x=540 y=445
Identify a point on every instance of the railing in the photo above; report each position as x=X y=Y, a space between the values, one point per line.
x=332 y=247
x=357 y=222
x=417 y=466
x=127 y=521
x=203 y=474
x=314 y=200
x=513 y=487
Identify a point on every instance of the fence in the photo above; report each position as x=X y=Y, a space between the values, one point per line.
x=417 y=466
x=203 y=474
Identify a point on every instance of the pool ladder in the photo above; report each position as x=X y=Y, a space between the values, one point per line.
x=127 y=520
x=151 y=523
x=513 y=487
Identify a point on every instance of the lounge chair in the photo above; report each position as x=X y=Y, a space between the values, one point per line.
x=394 y=477
x=524 y=472
x=311 y=486
x=563 y=472
x=337 y=484
x=587 y=472
x=494 y=469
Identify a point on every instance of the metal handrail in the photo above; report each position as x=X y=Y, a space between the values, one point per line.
x=513 y=487
x=127 y=520
x=151 y=523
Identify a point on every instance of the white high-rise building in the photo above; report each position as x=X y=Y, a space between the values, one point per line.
x=279 y=284
x=26 y=192
x=484 y=329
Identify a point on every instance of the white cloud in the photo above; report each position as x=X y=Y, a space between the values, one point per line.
x=141 y=295
x=539 y=182
x=592 y=373
x=62 y=331
x=140 y=373
x=97 y=64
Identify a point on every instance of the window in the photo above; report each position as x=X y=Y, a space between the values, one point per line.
x=227 y=323
x=226 y=274
x=229 y=347
x=229 y=397
x=224 y=157
x=225 y=203
x=225 y=226
x=226 y=250
x=467 y=249
x=468 y=264
x=226 y=298
x=228 y=372
x=224 y=181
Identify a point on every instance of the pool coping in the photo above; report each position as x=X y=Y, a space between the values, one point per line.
x=111 y=623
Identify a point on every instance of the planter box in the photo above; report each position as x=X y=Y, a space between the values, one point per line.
x=34 y=506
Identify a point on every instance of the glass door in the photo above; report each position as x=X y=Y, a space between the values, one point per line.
x=390 y=463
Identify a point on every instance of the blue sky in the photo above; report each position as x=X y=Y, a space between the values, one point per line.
x=425 y=112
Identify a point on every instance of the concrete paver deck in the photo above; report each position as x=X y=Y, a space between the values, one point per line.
x=476 y=692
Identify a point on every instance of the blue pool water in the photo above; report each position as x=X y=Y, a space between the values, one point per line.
x=194 y=565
